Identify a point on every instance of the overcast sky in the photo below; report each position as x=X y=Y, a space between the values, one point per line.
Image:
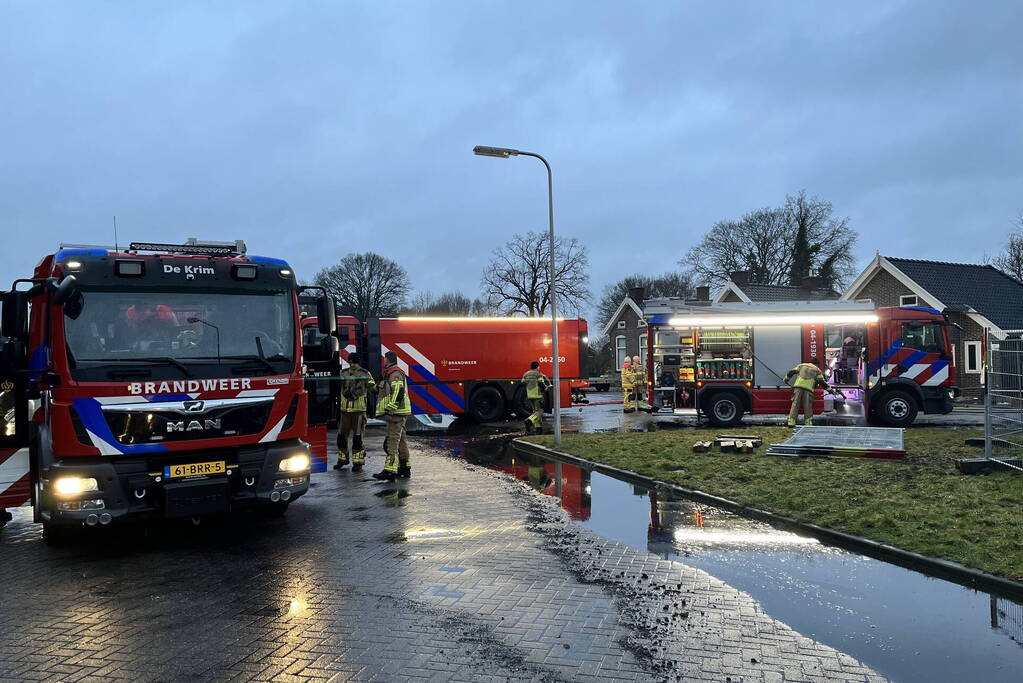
x=312 y=129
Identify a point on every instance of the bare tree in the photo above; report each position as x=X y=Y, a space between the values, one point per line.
x=365 y=285
x=448 y=303
x=517 y=280
x=779 y=246
x=675 y=283
x=1010 y=261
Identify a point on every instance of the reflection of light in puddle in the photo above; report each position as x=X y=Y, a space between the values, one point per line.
x=296 y=606
x=741 y=537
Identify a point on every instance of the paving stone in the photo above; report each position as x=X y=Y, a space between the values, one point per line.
x=447 y=576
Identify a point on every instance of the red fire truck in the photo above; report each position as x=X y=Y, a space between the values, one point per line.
x=470 y=366
x=158 y=381
x=730 y=360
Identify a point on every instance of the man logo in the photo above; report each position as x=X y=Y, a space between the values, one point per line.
x=192 y=426
x=194 y=406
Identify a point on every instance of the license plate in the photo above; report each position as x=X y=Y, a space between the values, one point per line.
x=194 y=469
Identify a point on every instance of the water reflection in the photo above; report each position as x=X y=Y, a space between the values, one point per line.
x=903 y=624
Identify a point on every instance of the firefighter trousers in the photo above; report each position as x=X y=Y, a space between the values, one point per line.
x=535 y=412
x=397 y=443
x=351 y=425
x=801 y=398
x=628 y=398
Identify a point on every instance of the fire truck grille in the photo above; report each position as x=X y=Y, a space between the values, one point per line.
x=159 y=426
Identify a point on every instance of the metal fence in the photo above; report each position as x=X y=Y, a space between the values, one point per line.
x=1003 y=397
x=1007 y=616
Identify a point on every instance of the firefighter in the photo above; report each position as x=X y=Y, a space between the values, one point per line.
x=628 y=405
x=393 y=406
x=537 y=385
x=356 y=383
x=807 y=376
x=639 y=382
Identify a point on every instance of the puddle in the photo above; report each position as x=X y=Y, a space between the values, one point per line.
x=902 y=623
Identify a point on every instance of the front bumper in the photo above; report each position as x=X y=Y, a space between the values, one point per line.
x=137 y=488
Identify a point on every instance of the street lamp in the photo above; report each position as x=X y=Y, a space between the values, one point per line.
x=504 y=153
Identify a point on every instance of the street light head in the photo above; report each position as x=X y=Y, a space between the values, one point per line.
x=499 y=152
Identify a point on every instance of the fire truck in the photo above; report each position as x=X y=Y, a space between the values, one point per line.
x=730 y=360
x=158 y=381
x=470 y=366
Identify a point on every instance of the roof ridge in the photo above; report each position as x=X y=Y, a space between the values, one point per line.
x=942 y=263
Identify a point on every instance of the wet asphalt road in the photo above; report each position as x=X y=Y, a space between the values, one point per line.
x=458 y=574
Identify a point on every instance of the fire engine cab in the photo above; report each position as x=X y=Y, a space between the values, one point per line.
x=160 y=381
x=728 y=360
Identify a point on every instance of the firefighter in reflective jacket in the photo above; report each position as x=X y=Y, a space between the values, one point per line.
x=393 y=406
x=639 y=384
x=536 y=384
x=628 y=385
x=804 y=378
x=356 y=383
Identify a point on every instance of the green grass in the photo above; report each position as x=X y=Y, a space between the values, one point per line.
x=919 y=503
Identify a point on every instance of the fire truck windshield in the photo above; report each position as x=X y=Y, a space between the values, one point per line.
x=176 y=331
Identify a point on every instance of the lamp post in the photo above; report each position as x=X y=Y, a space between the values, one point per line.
x=504 y=153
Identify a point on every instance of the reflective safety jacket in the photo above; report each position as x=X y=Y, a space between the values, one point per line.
x=806 y=376
x=536 y=383
x=393 y=396
x=639 y=375
x=356 y=383
x=627 y=377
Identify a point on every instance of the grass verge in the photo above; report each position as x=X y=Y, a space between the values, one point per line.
x=920 y=503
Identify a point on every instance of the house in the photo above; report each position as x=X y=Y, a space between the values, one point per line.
x=738 y=289
x=626 y=329
x=972 y=296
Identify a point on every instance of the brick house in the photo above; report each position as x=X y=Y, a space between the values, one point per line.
x=739 y=289
x=971 y=295
x=626 y=329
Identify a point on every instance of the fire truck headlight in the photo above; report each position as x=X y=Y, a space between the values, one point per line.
x=296 y=463
x=71 y=486
x=586 y=340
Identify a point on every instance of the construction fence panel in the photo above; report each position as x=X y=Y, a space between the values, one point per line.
x=1003 y=397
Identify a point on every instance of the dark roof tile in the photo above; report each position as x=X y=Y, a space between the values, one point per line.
x=995 y=295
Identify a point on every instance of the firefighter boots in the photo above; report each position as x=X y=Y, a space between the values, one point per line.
x=404 y=471
x=385 y=476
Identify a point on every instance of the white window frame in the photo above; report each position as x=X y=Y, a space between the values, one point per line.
x=642 y=347
x=914 y=297
x=641 y=323
x=966 y=358
x=620 y=350
x=621 y=324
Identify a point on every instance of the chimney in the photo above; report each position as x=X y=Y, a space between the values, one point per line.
x=703 y=293
x=636 y=294
x=740 y=277
x=810 y=284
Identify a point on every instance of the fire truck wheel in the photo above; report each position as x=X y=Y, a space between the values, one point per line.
x=723 y=409
x=55 y=535
x=486 y=404
x=519 y=406
x=896 y=409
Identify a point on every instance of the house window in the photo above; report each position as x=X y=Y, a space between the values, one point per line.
x=620 y=351
x=642 y=348
x=641 y=323
x=971 y=359
x=909 y=300
x=621 y=324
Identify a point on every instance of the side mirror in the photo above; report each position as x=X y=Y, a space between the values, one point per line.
x=65 y=290
x=326 y=318
x=329 y=346
x=14 y=317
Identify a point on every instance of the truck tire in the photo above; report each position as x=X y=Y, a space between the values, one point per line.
x=486 y=404
x=519 y=407
x=723 y=409
x=896 y=409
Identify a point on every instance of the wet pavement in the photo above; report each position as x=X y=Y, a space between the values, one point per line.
x=458 y=574
x=903 y=624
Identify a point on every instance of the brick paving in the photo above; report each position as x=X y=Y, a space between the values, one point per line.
x=458 y=574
